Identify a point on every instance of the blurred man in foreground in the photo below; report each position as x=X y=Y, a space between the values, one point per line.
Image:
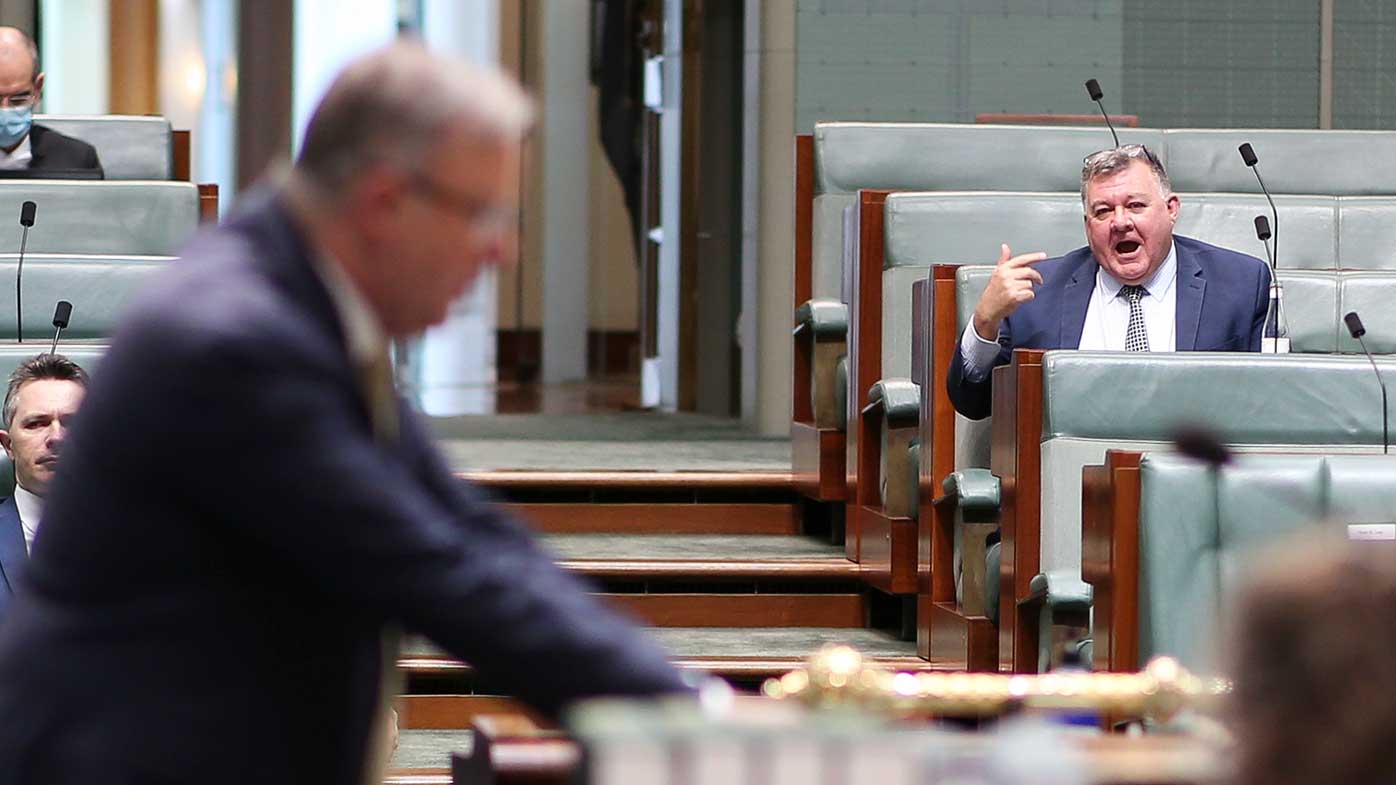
x=255 y=511
x=43 y=395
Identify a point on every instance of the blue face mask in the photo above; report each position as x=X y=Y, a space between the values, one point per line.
x=14 y=124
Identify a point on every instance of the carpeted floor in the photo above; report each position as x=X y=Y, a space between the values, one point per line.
x=703 y=642
x=429 y=749
x=618 y=441
x=703 y=547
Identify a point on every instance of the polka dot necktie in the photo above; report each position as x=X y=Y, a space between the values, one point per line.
x=1137 y=336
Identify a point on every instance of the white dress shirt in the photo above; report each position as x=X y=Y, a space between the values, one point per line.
x=19 y=157
x=1107 y=319
x=31 y=510
x=363 y=331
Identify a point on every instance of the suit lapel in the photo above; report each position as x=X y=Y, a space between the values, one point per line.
x=13 y=554
x=1191 y=286
x=1076 y=299
x=37 y=148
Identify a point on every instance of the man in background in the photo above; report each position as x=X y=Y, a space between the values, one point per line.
x=43 y=395
x=24 y=145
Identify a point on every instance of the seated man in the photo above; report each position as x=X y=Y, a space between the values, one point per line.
x=24 y=145
x=43 y=394
x=1134 y=287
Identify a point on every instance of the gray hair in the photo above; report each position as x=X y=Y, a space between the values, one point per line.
x=41 y=367
x=391 y=107
x=1117 y=159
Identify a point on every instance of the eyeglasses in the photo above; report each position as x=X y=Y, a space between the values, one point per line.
x=483 y=217
x=19 y=100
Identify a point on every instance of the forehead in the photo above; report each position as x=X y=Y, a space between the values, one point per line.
x=16 y=71
x=1137 y=178
x=43 y=395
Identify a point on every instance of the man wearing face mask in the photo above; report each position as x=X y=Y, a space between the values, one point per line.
x=24 y=145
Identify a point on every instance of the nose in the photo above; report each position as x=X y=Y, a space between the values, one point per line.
x=1120 y=219
x=56 y=434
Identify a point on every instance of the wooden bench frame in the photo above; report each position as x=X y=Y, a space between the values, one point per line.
x=1110 y=499
x=944 y=631
x=208 y=192
x=817 y=454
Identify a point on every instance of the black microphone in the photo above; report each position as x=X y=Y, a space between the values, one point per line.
x=1356 y=330
x=1273 y=317
x=61 y=315
x=1201 y=444
x=1093 y=89
x=1248 y=156
x=26 y=219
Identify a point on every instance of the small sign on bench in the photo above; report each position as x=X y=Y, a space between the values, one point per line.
x=1372 y=531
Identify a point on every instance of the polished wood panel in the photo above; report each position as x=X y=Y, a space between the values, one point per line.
x=744 y=610
x=888 y=550
x=452 y=712
x=181 y=167
x=1015 y=457
x=628 y=480
x=817 y=460
x=828 y=568
x=956 y=640
x=803 y=412
x=133 y=75
x=208 y=203
x=1110 y=498
x=864 y=349
x=705 y=518
x=744 y=668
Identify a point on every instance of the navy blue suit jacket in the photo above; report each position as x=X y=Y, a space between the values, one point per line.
x=226 y=543
x=13 y=554
x=1222 y=300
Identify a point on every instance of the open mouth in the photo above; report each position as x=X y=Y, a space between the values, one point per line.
x=1126 y=247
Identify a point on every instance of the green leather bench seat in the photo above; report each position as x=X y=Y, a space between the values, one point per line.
x=966 y=227
x=139 y=217
x=954 y=156
x=99 y=287
x=1095 y=401
x=1199 y=532
x=131 y=147
x=1341 y=163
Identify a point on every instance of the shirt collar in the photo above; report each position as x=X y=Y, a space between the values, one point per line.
x=363 y=332
x=1157 y=286
x=19 y=157
x=31 y=509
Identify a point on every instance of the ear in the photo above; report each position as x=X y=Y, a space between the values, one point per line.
x=1173 y=203
x=7 y=443
x=38 y=86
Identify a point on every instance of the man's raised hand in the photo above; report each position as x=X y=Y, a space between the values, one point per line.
x=1010 y=286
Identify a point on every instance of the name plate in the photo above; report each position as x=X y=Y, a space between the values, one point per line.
x=1372 y=531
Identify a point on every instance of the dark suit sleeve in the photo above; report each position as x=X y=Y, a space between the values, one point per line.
x=1261 y=310
x=975 y=400
x=369 y=529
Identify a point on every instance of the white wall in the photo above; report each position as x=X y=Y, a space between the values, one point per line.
x=328 y=34
x=75 y=51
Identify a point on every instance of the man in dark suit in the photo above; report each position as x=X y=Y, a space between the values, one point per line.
x=24 y=145
x=1134 y=287
x=246 y=506
x=43 y=394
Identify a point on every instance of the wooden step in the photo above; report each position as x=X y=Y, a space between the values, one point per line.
x=737 y=653
x=452 y=712
x=692 y=518
x=744 y=610
x=706 y=481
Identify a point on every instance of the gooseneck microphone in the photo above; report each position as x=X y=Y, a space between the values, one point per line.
x=1248 y=156
x=26 y=219
x=61 y=315
x=1274 y=314
x=1356 y=330
x=1093 y=88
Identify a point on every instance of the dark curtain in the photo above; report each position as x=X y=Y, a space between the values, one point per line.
x=617 y=69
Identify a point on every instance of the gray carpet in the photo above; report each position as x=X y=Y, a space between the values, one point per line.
x=700 y=642
x=429 y=749
x=617 y=441
x=688 y=546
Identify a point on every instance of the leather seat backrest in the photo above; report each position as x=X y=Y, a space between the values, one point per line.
x=99 y=287
x=140 y=217
x=131 y=147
